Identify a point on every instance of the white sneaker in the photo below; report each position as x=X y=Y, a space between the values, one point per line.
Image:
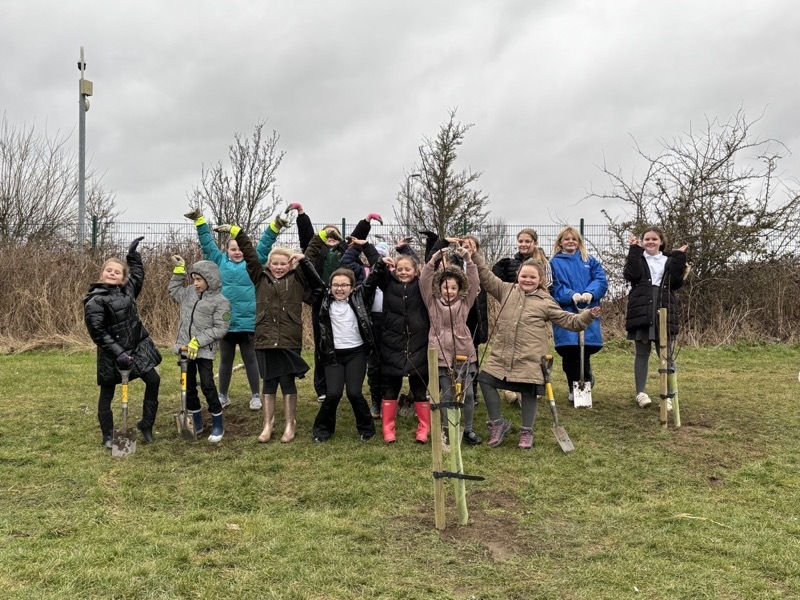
x=571 y=398
x=321 y=398
x=669 y=405
x=643 y=400
x=255 y=402
x=224 y=400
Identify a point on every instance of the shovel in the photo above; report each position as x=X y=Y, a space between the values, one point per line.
x=123 y=441
x=582 y=389
x=558 y=430
x=183 y=420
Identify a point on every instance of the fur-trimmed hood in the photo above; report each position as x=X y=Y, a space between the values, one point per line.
x=456 y=273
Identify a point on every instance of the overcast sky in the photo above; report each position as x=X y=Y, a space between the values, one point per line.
x=553 y=88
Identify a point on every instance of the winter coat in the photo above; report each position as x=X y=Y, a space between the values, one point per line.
x=641 y=311
x=506 y=269
x=448 y=332
x=520 y=335
x=113 y=322
x=279 y=301
x=573 y=275
x=360 y=301
x=236 y=284
x=204 y=315
x=329 y=257
x=404 y=342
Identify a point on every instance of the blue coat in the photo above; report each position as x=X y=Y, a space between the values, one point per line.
x=237 y=286
x=573 y=275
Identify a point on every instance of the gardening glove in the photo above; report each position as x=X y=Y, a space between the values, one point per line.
x=278 y=223
x=374 y=217
x=330 y=233
x=191 y=348
x=232 y=229
x=178 y=264
x=124 y=361
x=134 y=244
x=294 y=206
x=586 y=297
x=195 y=215
x=577 y=298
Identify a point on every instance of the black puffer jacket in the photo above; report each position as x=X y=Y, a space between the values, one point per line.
x=359 y=300
x=404 y=342
x=506 y=269
x=306 y=233
x=113 y=322
x=641 y=311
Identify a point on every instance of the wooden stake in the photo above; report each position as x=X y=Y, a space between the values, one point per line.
x=662 y=348
x=436 y=437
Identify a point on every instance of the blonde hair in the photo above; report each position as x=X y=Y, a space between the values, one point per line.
x=121 y=263
x=279 y=251
x=557 y=247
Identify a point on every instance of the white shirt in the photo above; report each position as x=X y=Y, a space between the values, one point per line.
x=656 y=262
x=344 y=325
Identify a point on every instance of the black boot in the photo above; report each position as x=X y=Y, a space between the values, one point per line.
x=106 y=419
x=147 y=432
x=145 y=424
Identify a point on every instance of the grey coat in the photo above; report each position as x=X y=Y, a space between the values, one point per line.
x=205 y=316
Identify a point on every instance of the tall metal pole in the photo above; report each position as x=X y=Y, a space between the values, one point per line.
x=84 y=91
x=408 y=200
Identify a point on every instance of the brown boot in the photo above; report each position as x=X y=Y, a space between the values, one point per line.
x=290 y=408
x=269 y=417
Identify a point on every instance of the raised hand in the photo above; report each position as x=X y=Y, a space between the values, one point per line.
x=135 y=244
x=374 y=217
x=194 y=214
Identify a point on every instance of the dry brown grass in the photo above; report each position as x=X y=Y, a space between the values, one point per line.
x=43 y=287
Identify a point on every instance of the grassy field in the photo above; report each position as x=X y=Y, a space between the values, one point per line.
x=706 y=511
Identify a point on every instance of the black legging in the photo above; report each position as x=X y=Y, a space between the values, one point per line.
x=347 y=374
x=571 y=362
x=151 y=380
x=417 y=384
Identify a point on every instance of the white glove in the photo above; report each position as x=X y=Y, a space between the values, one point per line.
x=577 y=298
x=586 y=297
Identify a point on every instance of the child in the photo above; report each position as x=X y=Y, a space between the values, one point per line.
x=449 y=295
x=527 y=239
x=654 y=276
x=122 y=341
x=578 y=279
x=519 y=342
x=345 y=343
x=326 y=262
x=279 y=323
x=238 y=289
x=404 y=341
x=205 y=317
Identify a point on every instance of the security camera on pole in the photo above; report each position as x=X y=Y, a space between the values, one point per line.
x=84 y=91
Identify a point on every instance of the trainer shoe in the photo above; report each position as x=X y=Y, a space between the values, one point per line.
x=497 y=431
x=571 y=398
x=472 y=438
x=643 y=400
x=321 y=398
x=224 y=400
x=255 y=402
x=525 y=438
x=669 y=405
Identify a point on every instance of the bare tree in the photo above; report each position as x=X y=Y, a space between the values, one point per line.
x=716 y=190
x=246 y=195
x=442 y=199
x=39 y=186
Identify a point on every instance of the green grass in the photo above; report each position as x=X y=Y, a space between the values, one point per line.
x=705 y=511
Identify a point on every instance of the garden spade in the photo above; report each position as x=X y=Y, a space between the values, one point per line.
x=123 y=441
x=558 y=430
x=183 y=420
x=582 y=389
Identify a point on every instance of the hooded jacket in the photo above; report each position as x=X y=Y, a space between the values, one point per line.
x=520 y=335
x=641 y=311
x=236 y=284
x=573 y=275
x=113 y=323
x=204 y=315
x=448 y=331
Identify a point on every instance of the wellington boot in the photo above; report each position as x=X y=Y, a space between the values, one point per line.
x=269 y=417
x=388 y=414
x=217 y=428
x=424 y=415
x=290 y=408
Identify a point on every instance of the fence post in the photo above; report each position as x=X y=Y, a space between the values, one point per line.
x=344 y=224
x=582 y=227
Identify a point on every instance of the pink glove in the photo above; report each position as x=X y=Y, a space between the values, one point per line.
x=294 y=206
x=374 y=217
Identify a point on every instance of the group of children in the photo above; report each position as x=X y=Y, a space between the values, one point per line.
x=374 y=317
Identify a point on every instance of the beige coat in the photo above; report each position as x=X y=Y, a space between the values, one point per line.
x=519 y=337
